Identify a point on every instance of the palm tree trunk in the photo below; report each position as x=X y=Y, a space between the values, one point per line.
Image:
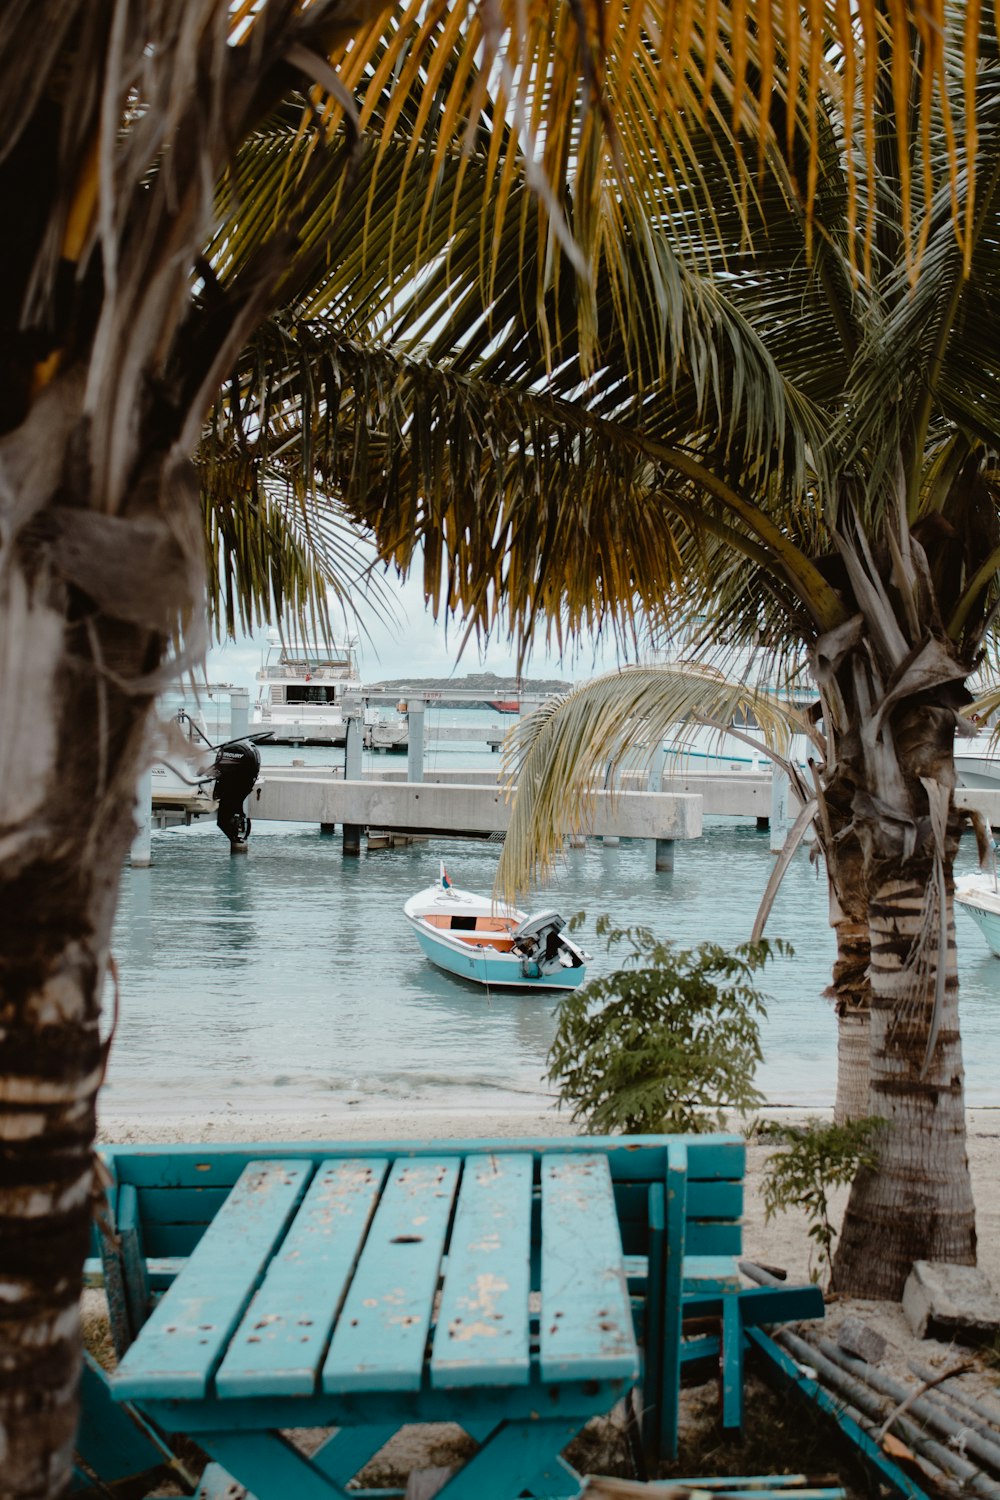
x=849 y=990
x=918 y=1204
x=851 y=994
x=71 y=741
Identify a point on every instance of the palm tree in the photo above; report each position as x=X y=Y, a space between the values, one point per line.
x=765 y=406
x=136 y=142
x=155 y=221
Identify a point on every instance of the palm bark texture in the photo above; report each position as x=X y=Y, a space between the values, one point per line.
x=117 y=123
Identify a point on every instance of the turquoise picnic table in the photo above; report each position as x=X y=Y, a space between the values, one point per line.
x=363 y=1293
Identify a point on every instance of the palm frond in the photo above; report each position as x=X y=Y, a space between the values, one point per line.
x=570 y=747
x=272 y=555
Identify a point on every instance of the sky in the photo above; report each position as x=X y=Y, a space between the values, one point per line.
x=413 y=646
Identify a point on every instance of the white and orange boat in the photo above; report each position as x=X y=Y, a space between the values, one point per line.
x=492 y=944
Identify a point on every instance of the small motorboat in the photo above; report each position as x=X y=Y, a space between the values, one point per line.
x=493 y=944
x=978 y=895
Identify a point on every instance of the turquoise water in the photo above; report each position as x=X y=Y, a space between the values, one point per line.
x=290 y=977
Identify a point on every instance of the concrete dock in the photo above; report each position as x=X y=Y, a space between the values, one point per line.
x=456 y=807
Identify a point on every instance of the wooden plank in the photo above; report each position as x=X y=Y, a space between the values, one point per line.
x=279 y=1345
x=720 y=1200
x=379 y=1340
x=670 y=1392
x=711 y=1273
x=640 y=1158
x=482 y=1334
x=710 y=1238
x=113 y=1276
x=133 y=1257
x=761 y=1305
x=186 y=1334
x=586 y=1319
x=108 y=1441
x=167 y=1241
x=197 y=1205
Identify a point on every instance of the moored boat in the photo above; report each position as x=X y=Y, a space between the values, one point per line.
x=493 y=944
x=978 y=895
x=302 y=687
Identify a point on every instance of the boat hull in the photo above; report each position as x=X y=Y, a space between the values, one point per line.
x=496 y=971
x=469 y=936
x=988 y=921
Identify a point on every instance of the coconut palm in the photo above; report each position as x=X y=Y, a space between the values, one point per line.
x=155 y=223
x=771 y=409
x=136 y=141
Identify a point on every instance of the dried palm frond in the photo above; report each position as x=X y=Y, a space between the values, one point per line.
x=569 y=747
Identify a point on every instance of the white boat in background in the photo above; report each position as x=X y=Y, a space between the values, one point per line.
x=978 y=895
x=701 y=750
x=301 y=692
x=492 y=944
x=977 y=761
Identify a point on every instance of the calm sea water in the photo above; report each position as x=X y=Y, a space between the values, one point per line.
x=290 y=978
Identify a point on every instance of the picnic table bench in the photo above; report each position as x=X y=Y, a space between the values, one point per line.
x=518 y=1288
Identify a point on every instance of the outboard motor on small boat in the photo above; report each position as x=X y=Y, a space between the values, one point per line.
x=540 y=941
x=236 y=768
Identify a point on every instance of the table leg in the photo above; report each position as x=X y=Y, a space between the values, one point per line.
x=350 y=1448
x=269 y=1466
x=557 y=1478
x=520 y=1456
x=732 y=1364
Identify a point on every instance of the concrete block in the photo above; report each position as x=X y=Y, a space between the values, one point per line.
x=855 y=1337
x=951 y=1303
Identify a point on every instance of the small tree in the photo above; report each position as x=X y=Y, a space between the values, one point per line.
x=668 y=1042
x=816 y=1159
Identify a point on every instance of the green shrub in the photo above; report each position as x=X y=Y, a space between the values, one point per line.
x=816 y=1158
x=668 y=1042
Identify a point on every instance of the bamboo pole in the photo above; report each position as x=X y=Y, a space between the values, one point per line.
x=876 y=1408
x=982 y=1448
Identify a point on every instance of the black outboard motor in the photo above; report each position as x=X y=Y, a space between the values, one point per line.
x=237 y=766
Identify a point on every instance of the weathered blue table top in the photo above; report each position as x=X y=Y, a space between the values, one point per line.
x=358 y=1276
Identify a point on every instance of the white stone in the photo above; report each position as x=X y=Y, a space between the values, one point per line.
x=949 y=1302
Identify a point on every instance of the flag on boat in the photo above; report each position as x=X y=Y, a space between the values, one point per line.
x=445 y=882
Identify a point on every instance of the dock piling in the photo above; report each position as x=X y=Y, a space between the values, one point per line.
x=239 y=713
x=353 y=744
x=665 y=855
x=415 y=742
x=141 y=853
